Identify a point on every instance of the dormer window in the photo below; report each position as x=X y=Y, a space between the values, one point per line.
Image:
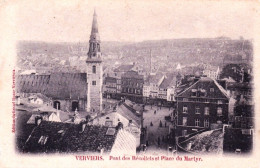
x=194 y=92
x=211 y=89
x=202 y=92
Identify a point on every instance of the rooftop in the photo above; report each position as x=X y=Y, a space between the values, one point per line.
x=52 y=137
x=132 y=74
x=206 y=142
x=204 y=83
x=167 y=82
x=55 y=85
x=154 y=78
x=110 y=79
x=124 y=68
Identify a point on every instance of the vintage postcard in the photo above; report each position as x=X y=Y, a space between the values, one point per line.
x=129 y=83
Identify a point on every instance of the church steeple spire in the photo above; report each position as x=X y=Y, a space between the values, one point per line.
x=94 y=70
x=94 y=31
x=94 y=53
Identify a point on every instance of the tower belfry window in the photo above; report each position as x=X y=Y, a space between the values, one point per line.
x=94 y=69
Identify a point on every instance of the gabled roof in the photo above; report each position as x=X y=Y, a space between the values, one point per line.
x=132 y=74
x=56 y=85
x=66 y=137
x=168 y=82
x=125 y=112
x=110 y=79
x=67 y=85
x=124 y=68
x=119 y=149
x=204 y=83
x=155 y=78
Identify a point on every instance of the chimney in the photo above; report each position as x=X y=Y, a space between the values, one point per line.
x=101 y=149
x=119 y=126
x=38 y=120
x=130 y=122
x=83 y=126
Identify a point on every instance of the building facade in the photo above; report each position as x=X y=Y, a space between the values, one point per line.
x=132 y=86
x=66 y=91
x=200 y=105
x=110 y=87
x=151 y=87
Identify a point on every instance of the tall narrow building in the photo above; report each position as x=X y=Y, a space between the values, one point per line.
x=94 y=70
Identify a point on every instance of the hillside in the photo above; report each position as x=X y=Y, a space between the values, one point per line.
x=164 y=53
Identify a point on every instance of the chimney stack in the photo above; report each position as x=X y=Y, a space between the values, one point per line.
x=38 y=120
x=83 y=126
x=130 y=122
x=119 y=126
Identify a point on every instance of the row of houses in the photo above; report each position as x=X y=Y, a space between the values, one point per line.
x=129 y=82
x=158 y=87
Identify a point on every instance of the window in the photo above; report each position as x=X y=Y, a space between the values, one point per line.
x=94 y=83
x=211 y=89
x=219 y=111
x=138 y=91
x=108 y=123
x=249 y=93
x=197 y=122
x=185 y=99
x=206 y=111
x=184 y=121
x=206 y=123
x=184 y=132
x=185 y=109
x=94 y=69
x=220 y=102
x=194 y=92
x=202 y=92
x=171 y=98
x=197 y=110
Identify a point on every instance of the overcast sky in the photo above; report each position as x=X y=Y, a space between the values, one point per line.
x=70 y=21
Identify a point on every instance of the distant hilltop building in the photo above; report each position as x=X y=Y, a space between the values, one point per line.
x=81 y=91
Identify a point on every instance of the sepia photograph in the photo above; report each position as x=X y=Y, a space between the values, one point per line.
x=130 y=81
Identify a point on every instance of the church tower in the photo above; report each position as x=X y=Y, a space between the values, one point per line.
x=94 y=70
